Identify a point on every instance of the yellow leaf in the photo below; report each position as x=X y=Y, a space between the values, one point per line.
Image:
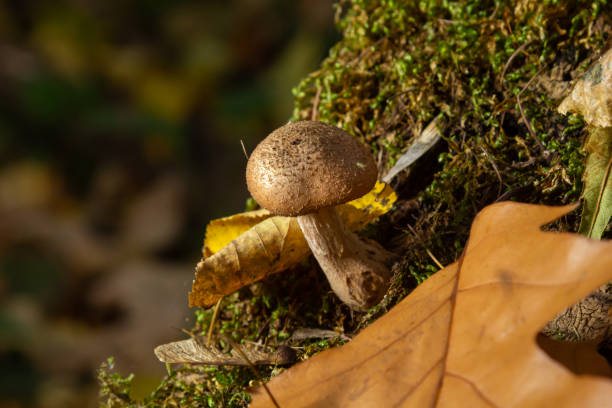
x=356 y=214
x=250 y=246
x=222 y=231
x=269 y=247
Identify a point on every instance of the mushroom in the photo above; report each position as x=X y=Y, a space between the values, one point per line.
x=304 y=169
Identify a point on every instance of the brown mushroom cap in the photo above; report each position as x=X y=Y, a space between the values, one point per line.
x=304 y=166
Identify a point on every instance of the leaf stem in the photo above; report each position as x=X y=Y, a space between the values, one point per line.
x=212 y=321
x=251 y=367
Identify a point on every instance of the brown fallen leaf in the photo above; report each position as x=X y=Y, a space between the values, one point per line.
x=195 y=351
x=467 y=335
x=269 y=247
x=250 y=246
x=591 y=94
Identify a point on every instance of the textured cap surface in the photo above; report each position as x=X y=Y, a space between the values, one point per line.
x=304 y=166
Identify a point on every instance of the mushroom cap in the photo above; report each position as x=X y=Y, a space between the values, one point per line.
x=304 y=166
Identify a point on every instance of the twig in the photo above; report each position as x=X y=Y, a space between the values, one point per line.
x=212 y=322
x=527 y=123
x=508 y=23
x=494 y=168
x=365 y=52
x=512 y=191
x=244 y=149
x=315 y=104
x=494 y=11
x=251 y=367
x=395 y=95
x=434 y=258
x=524 y=164
x=601 y=192
x=514 y=54
x=263 y=327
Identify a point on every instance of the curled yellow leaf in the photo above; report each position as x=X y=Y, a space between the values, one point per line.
x=246 y=247
x=222 y=231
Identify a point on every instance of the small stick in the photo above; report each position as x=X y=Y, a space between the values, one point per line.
x=395 y=95
x=189 y=333
x=527 y=123
x=512 y=57
x=315 y=104
x=494 y=168
x=601 y=192
x=508 y=23
x=244 y=149
x=434 y=258
x=494 y=12
x=511 y=192
x=212 y=322
x=263 y=327
x=252 y=367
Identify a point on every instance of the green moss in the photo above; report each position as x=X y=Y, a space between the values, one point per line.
x=399 y=65
x=189 y=386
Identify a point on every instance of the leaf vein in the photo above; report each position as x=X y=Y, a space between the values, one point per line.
x=473 y=386
x=385 y=347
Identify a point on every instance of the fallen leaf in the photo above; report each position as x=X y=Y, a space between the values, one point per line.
x=222 y=231
x=591 y=94
x=248 y=247
x=195 y=351
x=424 y=143
x=592 y=98
x=357 y=213
x=597 y=193
x=467 y=335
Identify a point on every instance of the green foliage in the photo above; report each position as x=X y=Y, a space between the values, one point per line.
x=191 y=386
x=597 y=195
x=114 y=388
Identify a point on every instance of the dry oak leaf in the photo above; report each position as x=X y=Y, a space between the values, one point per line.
x=467 y=336
x=244 y=248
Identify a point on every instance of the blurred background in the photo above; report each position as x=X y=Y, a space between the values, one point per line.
x=120 y=130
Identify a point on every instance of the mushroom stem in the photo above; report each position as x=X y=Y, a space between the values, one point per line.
x=356 y=270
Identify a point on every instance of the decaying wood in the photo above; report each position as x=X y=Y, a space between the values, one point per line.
x=587 y=320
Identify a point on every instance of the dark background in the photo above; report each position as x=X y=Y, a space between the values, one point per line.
x=120 y=130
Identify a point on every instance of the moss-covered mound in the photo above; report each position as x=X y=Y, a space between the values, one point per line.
x=493 y=72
